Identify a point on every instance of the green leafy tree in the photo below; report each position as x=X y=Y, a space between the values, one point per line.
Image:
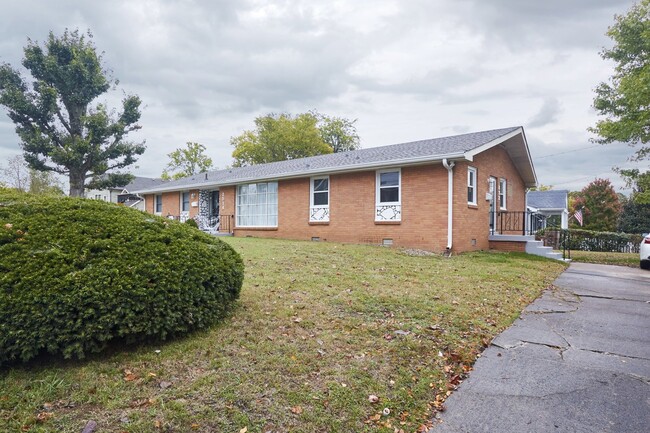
x=187 y=161
x=635 y=218
x=640 y=184
x=542 y=187
x=338 y=132
x=278 y=137
x=44 y=182
x=60 y=130
x=625 y=99
x=599 y=204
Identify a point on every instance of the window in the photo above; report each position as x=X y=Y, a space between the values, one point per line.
x=388 y=199
x=471 y=185
x=319 y=206
x=503 y=188
x=185 y=201
x=98 y=196
x=158 y=203
x=257 y=205
x=388 y=187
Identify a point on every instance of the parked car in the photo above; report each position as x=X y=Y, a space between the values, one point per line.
x=644 y=250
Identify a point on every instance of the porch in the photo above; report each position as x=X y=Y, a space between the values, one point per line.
x=515 y=231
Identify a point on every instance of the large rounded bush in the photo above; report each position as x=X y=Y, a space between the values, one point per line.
x=76 y=274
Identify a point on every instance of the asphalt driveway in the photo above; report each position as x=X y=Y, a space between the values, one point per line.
x=577 y=360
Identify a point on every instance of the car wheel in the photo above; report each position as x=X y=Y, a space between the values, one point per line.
x=644 y=264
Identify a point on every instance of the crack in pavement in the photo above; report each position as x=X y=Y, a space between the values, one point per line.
x=612 y=298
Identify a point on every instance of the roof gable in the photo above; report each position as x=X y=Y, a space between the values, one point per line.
x=552 y=199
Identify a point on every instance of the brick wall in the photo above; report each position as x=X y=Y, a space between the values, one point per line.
x=171 y=203
x=471 y=223
x=508 y=246
x=352 y=206
x=352 y=210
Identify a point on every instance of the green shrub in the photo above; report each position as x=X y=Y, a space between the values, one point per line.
x=589 y=240
x=76 y=274
x=192 y=223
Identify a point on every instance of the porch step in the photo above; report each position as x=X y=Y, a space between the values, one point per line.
x=537 y=248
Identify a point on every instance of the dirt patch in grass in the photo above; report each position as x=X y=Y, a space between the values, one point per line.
x=320 y=327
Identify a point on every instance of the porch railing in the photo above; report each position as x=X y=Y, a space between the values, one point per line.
x=516 y=222
x=226 y=223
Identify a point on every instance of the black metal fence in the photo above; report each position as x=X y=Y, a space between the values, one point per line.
x=517 y=222
x=587 y=240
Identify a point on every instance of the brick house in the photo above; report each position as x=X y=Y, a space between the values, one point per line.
x=438 y=194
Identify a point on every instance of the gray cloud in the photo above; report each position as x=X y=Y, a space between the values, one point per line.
x=547 y=113
x=407 y=70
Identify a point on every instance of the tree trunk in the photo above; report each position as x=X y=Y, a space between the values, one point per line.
x=77 y=181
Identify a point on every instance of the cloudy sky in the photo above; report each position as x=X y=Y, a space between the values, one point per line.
x=406 y=69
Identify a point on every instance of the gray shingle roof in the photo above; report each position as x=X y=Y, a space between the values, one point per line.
x=432 y=149
x=552 y=199
x=139 y=183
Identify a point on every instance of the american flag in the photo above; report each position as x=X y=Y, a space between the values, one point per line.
x=578 y=216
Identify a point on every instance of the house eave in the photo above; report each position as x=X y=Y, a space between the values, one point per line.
x=308 y=173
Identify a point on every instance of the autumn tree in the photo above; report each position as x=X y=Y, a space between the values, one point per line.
x=278 y=137
x=60 y=127
x=187 y=161
x=599 y=204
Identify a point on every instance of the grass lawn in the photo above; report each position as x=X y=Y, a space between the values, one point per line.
x=318 y=329
x=621 y=259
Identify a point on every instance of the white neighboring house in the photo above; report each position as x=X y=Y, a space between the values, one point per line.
x=123 y=194
x=548 y=203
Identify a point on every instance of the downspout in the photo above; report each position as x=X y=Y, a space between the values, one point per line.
x=450 y=201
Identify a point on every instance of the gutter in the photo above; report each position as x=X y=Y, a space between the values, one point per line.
x=450 y=202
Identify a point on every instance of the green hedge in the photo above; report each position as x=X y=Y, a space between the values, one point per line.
x=76 y=274
x=588 y=240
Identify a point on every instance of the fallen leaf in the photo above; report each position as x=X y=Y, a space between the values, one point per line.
x=297 y=410
x=44 y=416
x=243 y=430
x=164 y=384
x=195 y=426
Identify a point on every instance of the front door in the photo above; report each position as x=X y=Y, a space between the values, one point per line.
x=492 y=190
x=214 y=209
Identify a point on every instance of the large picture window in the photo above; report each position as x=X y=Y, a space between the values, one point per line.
x=257 y=205
x=471 y=186
x=319 y=205
x=388 y=203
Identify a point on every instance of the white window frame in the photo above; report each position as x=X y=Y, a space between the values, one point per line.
x=379 y=204
x=503 y=192
x=238 y=205
x=473 y=185
x=319 y=212
x=155 y=204
x=181 y=201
